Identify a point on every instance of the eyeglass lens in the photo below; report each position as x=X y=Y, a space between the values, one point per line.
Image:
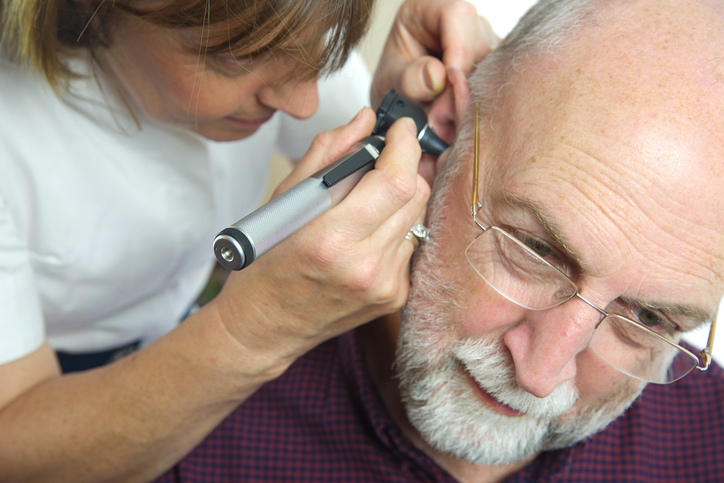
x=523 y=277
x=632 y=350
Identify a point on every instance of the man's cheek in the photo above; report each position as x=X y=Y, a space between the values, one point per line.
x=599 y=383
x=488 y=314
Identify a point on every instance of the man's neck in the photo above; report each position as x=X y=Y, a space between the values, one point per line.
x=379 y=342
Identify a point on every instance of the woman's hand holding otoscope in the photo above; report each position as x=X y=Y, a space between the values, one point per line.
x=237 y=246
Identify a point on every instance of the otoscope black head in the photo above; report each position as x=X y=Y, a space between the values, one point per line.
x=393 y=107
x=431 y=143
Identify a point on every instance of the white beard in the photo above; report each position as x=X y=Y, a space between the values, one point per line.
x=434 y=369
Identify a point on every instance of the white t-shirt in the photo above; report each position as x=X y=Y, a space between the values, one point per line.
x=106 y=230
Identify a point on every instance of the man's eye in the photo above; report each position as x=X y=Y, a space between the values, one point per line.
x=655 y=322
x=539 y=247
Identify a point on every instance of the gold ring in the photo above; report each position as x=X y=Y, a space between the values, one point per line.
x=413 y=238
x=417 y=234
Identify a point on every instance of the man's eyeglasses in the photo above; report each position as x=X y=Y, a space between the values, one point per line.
x=638 y=341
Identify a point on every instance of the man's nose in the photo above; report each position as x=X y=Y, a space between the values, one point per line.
x=299 y=99
x=545 y=344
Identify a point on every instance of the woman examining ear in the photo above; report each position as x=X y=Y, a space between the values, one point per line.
x=131 y=132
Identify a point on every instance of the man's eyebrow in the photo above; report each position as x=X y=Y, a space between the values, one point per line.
x=550 y=227
x=697 y=316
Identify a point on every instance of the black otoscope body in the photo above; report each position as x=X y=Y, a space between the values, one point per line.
x=239 y=245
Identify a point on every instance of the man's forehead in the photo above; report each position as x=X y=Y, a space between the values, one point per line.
x=639 y=60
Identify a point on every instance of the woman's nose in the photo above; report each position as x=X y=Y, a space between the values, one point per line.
x=299 y=99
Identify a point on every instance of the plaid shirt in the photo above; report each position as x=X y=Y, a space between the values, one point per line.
x=323 y=421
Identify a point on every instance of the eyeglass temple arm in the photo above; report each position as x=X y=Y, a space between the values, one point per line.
x=705 y=354
x=475 y=203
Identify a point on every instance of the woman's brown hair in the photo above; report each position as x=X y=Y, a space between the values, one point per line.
x=318 y=33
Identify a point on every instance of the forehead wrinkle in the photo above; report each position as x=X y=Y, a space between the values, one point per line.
x=660 y=207
x=669 y=222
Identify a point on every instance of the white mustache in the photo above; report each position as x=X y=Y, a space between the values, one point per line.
x=489 y=364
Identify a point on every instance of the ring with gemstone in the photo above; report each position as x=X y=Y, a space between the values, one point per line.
x=418 y=233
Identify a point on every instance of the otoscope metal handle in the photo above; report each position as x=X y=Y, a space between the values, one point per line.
x=249 y=238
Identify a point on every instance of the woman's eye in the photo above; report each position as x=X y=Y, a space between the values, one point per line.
x=229 y=64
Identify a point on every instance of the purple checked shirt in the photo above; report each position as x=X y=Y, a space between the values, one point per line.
x=323 y=421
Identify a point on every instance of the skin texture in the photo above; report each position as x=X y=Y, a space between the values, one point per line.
x=618 y=144
x=133 y=419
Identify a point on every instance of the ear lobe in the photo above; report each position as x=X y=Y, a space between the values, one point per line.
x=448 y=109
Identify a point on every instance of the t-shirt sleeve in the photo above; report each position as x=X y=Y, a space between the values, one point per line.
x=22 y=329
x=341 y=96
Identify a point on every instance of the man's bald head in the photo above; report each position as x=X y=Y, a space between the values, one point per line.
x=642 y=34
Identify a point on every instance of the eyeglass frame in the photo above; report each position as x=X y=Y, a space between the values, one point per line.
x=704 y=354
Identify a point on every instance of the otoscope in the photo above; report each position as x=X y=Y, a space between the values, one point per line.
x=237 y=246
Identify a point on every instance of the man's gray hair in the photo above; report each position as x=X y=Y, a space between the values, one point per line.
x=545 y=29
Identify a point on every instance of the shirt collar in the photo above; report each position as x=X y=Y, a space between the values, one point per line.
x=374 y=410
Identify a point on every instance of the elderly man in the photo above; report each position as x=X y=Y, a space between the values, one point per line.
x=577 y=233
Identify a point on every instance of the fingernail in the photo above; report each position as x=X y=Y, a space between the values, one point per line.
x=435 y=85
x=491 y=38
x=411 y=125
x=359 y=114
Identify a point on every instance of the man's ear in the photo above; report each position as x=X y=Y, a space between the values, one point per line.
x=448 y=109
